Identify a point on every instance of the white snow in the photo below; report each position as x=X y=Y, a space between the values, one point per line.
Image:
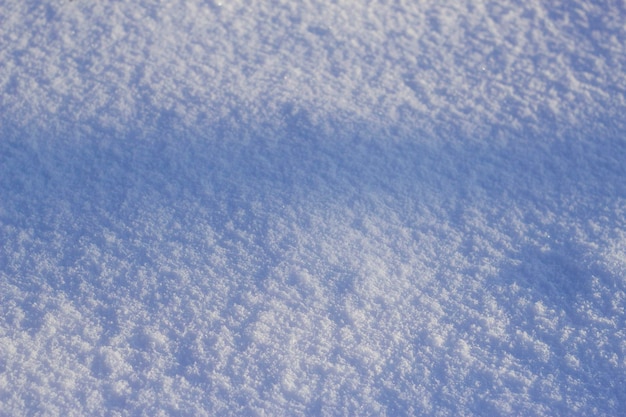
x=312 y=208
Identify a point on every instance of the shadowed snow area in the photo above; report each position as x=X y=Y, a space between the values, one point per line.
x=312 y=208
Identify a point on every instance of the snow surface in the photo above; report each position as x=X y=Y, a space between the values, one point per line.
x=316 y=207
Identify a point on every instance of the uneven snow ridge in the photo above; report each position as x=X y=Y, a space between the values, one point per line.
x=312 y=208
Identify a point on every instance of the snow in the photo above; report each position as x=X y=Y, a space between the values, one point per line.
x=312 y=208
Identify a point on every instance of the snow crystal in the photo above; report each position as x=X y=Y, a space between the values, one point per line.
x=312 y=208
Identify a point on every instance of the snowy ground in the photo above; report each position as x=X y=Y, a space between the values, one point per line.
x=312 y=207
